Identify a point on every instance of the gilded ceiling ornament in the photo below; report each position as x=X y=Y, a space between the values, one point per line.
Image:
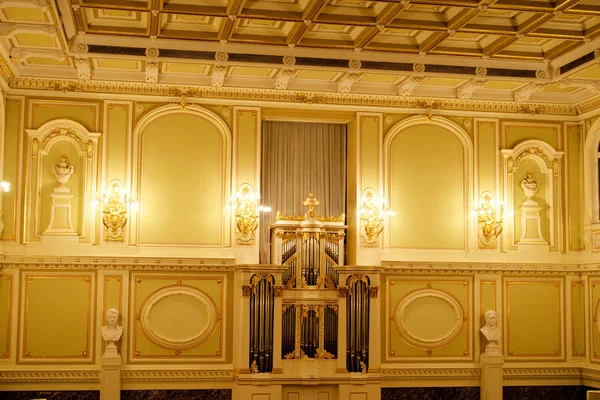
x=354 y=64
x=481 y=71
x=221 y=56
x=289 y=60
x=152 y=52
x=81 y=48
x=540 y=74
x=418 y=67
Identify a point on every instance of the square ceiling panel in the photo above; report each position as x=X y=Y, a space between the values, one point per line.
x=184 y=68
x=125 y=22
x=25 y=14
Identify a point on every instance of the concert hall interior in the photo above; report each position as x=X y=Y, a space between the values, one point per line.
x=299 y=199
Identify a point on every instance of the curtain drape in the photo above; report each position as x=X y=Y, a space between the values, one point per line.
x=299 y=158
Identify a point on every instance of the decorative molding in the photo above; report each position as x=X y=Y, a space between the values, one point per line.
x=543 y=373
x=278 y=290
x=465 y=92
x=246 y=290
x=38 y=377
x=345 y=83
x=84 y=71
x=176 y=376
x=152 y=72
x=401 y=268
x=283 y=78
x=407 y=86
x=430 y=373
x=289 y=96
x=130 y=267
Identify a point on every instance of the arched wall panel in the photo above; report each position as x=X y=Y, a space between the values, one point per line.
x=427 y=185
x=182 y=177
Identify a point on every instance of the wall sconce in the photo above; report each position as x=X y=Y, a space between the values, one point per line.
x=246 y=206
x=5 y=186
x=490 y=221
x=114 y=210
x=372 y=216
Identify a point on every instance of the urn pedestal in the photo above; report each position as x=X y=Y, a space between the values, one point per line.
x=531 y=224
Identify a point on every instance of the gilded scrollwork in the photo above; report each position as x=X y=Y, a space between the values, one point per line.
x=114 y=211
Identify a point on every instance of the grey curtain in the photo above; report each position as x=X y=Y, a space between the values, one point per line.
x=299 y=158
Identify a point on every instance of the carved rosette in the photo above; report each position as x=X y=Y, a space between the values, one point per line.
x=343 y=291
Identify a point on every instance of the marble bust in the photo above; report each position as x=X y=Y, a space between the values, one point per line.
x=111 y=332
x=490 y=330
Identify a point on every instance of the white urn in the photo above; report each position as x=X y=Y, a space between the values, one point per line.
x=63 y=171
x=529 y=186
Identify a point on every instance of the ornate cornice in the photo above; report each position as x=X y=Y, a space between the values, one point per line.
x=542 y=373
x=133 y=267
x=480 y=268
x=290 y=96
x=176 y=376
x=30 y=377
x=588 y=105
x=431 y=373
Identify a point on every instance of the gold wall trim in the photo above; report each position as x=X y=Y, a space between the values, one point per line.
x=37 y=377
x=177 y=376
x=430 y=373
x=133 y=267
x=542 y=373
x=483 y=269
x=6 y=353
x=296 y=97
x=86 y=355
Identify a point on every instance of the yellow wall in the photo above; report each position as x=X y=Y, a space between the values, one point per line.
x=427 y=161
x=181 y=189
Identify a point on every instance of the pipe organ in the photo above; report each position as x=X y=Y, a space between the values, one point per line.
x=357 y=323
x=261 y=322
x=311 y=247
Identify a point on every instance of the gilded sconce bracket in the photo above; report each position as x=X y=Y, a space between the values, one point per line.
x=372 y=216
x=246 y=208
x=114 y=211
x=490 y=221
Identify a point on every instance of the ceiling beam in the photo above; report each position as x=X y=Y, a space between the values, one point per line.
x=310 y=13
x=234 y=8
x=385 y=16
x=529 y=25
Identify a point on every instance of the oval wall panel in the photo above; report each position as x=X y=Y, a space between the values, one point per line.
x=428 y=318
x=178 y=317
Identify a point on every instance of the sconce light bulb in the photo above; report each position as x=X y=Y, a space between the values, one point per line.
x=135 y=205
x=95 y=203
x=392 y=213
x=5 y=186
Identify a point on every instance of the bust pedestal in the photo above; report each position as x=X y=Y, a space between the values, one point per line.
x=110 y=373
x=491 y=372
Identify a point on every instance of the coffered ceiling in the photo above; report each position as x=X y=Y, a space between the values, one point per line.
x=538 y=51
